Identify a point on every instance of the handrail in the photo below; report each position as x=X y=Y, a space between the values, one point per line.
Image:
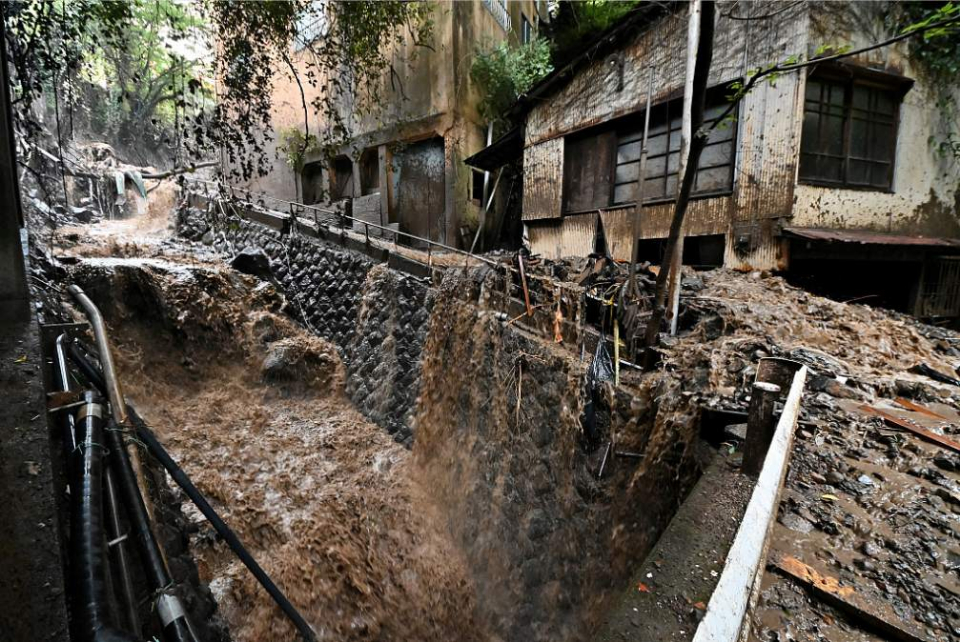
x=345 y=217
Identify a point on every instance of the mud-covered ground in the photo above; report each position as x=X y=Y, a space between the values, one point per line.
x=877 y=508
x=252 y=407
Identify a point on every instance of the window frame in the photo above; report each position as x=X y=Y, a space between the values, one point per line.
x=850 y=77
x=526 y=30
x=623 y=126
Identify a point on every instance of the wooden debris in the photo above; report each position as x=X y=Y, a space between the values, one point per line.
x=929 y=435
x=923 y=410
x=843 y=598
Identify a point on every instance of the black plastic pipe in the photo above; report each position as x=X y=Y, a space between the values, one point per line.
x=160 y=453
x=62 y=372
x=172 y=615
x=180 y=477
x=87 y=539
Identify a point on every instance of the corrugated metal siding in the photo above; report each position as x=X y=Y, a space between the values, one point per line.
x=571 y=236
x=768 y=129
x=543 y=180
x=755 y=245
x=617 y=230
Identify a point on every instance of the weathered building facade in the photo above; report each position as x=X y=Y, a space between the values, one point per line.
x=403 y=166
x=823 y=168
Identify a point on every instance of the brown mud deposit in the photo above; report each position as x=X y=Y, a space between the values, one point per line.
x=251 y=406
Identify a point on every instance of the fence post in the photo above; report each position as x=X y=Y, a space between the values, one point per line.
x=760 y=426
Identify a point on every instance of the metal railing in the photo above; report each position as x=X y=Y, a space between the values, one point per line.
x=332 y=216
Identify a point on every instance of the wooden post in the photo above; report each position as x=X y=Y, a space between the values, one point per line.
x=686 y=133
x=760 y=426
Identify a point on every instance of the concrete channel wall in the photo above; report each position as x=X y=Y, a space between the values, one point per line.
x=493 y=413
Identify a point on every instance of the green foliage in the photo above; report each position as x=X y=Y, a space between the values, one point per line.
x=938 y=49
x=577 y=22
x=347 y=66
x=134 y=51
x=504 y=73
x=295 y=146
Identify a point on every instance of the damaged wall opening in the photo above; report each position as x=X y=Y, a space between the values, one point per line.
x=698 y=251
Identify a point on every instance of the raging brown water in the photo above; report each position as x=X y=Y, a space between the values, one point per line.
x=323 y=499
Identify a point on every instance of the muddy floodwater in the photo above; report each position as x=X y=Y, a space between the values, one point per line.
x=252 y=408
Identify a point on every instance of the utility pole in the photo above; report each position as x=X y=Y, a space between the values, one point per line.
x=686 y=133
x=13 y=277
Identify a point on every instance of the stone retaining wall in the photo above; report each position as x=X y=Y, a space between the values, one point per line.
x=496 y=410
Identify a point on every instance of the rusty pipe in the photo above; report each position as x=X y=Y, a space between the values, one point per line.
x=118 y=408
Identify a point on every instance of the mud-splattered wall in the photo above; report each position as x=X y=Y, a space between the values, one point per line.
x=925 y=196
x=768 y=133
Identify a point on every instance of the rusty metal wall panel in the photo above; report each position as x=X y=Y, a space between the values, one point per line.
x=704 y=216
x=755 y=245
x=543 y=180
x=570 y=236
x=598 y=92
x=617 y=230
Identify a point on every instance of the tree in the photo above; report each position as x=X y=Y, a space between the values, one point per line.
x=945 y=21
x=50 y=41
x=348 y=63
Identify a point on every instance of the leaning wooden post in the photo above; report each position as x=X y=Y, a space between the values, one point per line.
x=686 y=133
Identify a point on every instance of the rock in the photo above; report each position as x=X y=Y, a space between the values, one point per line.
x=796 y=523
x=947 y=462
x=836 y=389
x=870 y=549
x=833 y=477
x=253 y=261
x=737 y=432
x=207 y=238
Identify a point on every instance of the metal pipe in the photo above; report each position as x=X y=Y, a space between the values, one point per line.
x=118 y=406
x=182 y=480
x=179 y=476
x=118 y=541
x=62 y=376
x=117 y=538
x=760 y=426
x=89 y=558
x=170 y=609
x=132 y=485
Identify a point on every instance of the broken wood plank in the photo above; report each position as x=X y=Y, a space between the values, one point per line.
x=929 y=435
x=923 y=410
x=843 y=598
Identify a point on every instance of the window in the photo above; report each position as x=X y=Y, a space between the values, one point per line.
x=526 y=30
x=476 y=186
x=498 y=9
x=601 y=168
x=341 y=178
x=849 y=134
x=370 y=171
x=311 y=24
